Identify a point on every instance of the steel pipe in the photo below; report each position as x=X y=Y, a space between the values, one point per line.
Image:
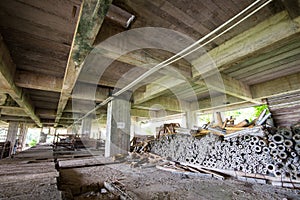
x=257 y=149
x=288 y=143
x=272 y=145
x=281 y=148
x=262 y=143
x=282 y=155
x=296 y=138
x=278 y=173
x=266 y=150
x=278 y=139
x=270 y=168
x=286 y=133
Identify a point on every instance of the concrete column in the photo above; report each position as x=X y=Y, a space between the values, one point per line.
x=215 y=118
x=191 y=119
x=118 y=127
x=86 y=127
x=12 y=134
x=43 y=135
x=23 y=135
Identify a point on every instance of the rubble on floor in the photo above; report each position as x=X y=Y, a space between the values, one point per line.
x=29 y=175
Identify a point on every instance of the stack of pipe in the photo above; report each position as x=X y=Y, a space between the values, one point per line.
x=275 y=154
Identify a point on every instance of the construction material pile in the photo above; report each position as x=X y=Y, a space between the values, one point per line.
x=256 y=150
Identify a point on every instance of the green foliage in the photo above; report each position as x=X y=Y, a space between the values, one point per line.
x=259 y=109
x=204 y=119
x=33 y=143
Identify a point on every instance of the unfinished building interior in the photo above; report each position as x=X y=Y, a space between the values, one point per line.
x=106 y=99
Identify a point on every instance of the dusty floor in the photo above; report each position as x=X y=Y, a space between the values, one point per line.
x=152 y=183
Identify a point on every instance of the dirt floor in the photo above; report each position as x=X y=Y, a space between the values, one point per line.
x=152 y=183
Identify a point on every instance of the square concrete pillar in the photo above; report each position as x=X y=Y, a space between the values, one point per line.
x=12 y=134
x=86 y=127
x=118 y=127
x=191 y=119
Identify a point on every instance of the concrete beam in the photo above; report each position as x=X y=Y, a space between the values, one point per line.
x=220 y=104
x=229 y=86
x=11 y=111
x=149 y=113
x=92 y=14
x=164 y=103
x=156 y=88
x=7 y=70
x=292 y=7
x=90 y=92
x=279 y=86
x=38 y=81
x=140 y=60
x=264 y=35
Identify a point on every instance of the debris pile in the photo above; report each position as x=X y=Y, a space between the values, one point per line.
x=275 y=153
x=141 y=144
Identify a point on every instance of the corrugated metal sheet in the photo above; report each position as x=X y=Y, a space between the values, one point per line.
x=285 y=109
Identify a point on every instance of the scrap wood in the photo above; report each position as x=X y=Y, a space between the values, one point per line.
x=201 y=169
x=217 y=131
x=256 y=131
x=116 y=189
x=177 y=166
x=181 y=171
x=238 y=174
x=242 y=123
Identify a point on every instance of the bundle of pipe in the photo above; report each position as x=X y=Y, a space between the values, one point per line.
x=274 y=154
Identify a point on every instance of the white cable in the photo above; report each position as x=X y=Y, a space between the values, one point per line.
x=173 y=58
x=178 y=56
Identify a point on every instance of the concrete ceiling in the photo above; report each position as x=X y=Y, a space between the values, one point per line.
x=44 y=45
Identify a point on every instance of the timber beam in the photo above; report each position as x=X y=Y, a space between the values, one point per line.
x=92 y=14
x=7 y=71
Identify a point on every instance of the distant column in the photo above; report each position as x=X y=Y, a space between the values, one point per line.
x=23 y=135
x=43 y=137
x=86 y=127
x=118 y=127
x=191 y=119
x=12 y=135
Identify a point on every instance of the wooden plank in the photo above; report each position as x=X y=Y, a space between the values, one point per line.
x=89 y=22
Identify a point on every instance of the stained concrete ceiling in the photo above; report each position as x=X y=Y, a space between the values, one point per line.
x=45 y=46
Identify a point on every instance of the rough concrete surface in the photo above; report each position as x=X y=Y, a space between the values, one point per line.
x=152 y=183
